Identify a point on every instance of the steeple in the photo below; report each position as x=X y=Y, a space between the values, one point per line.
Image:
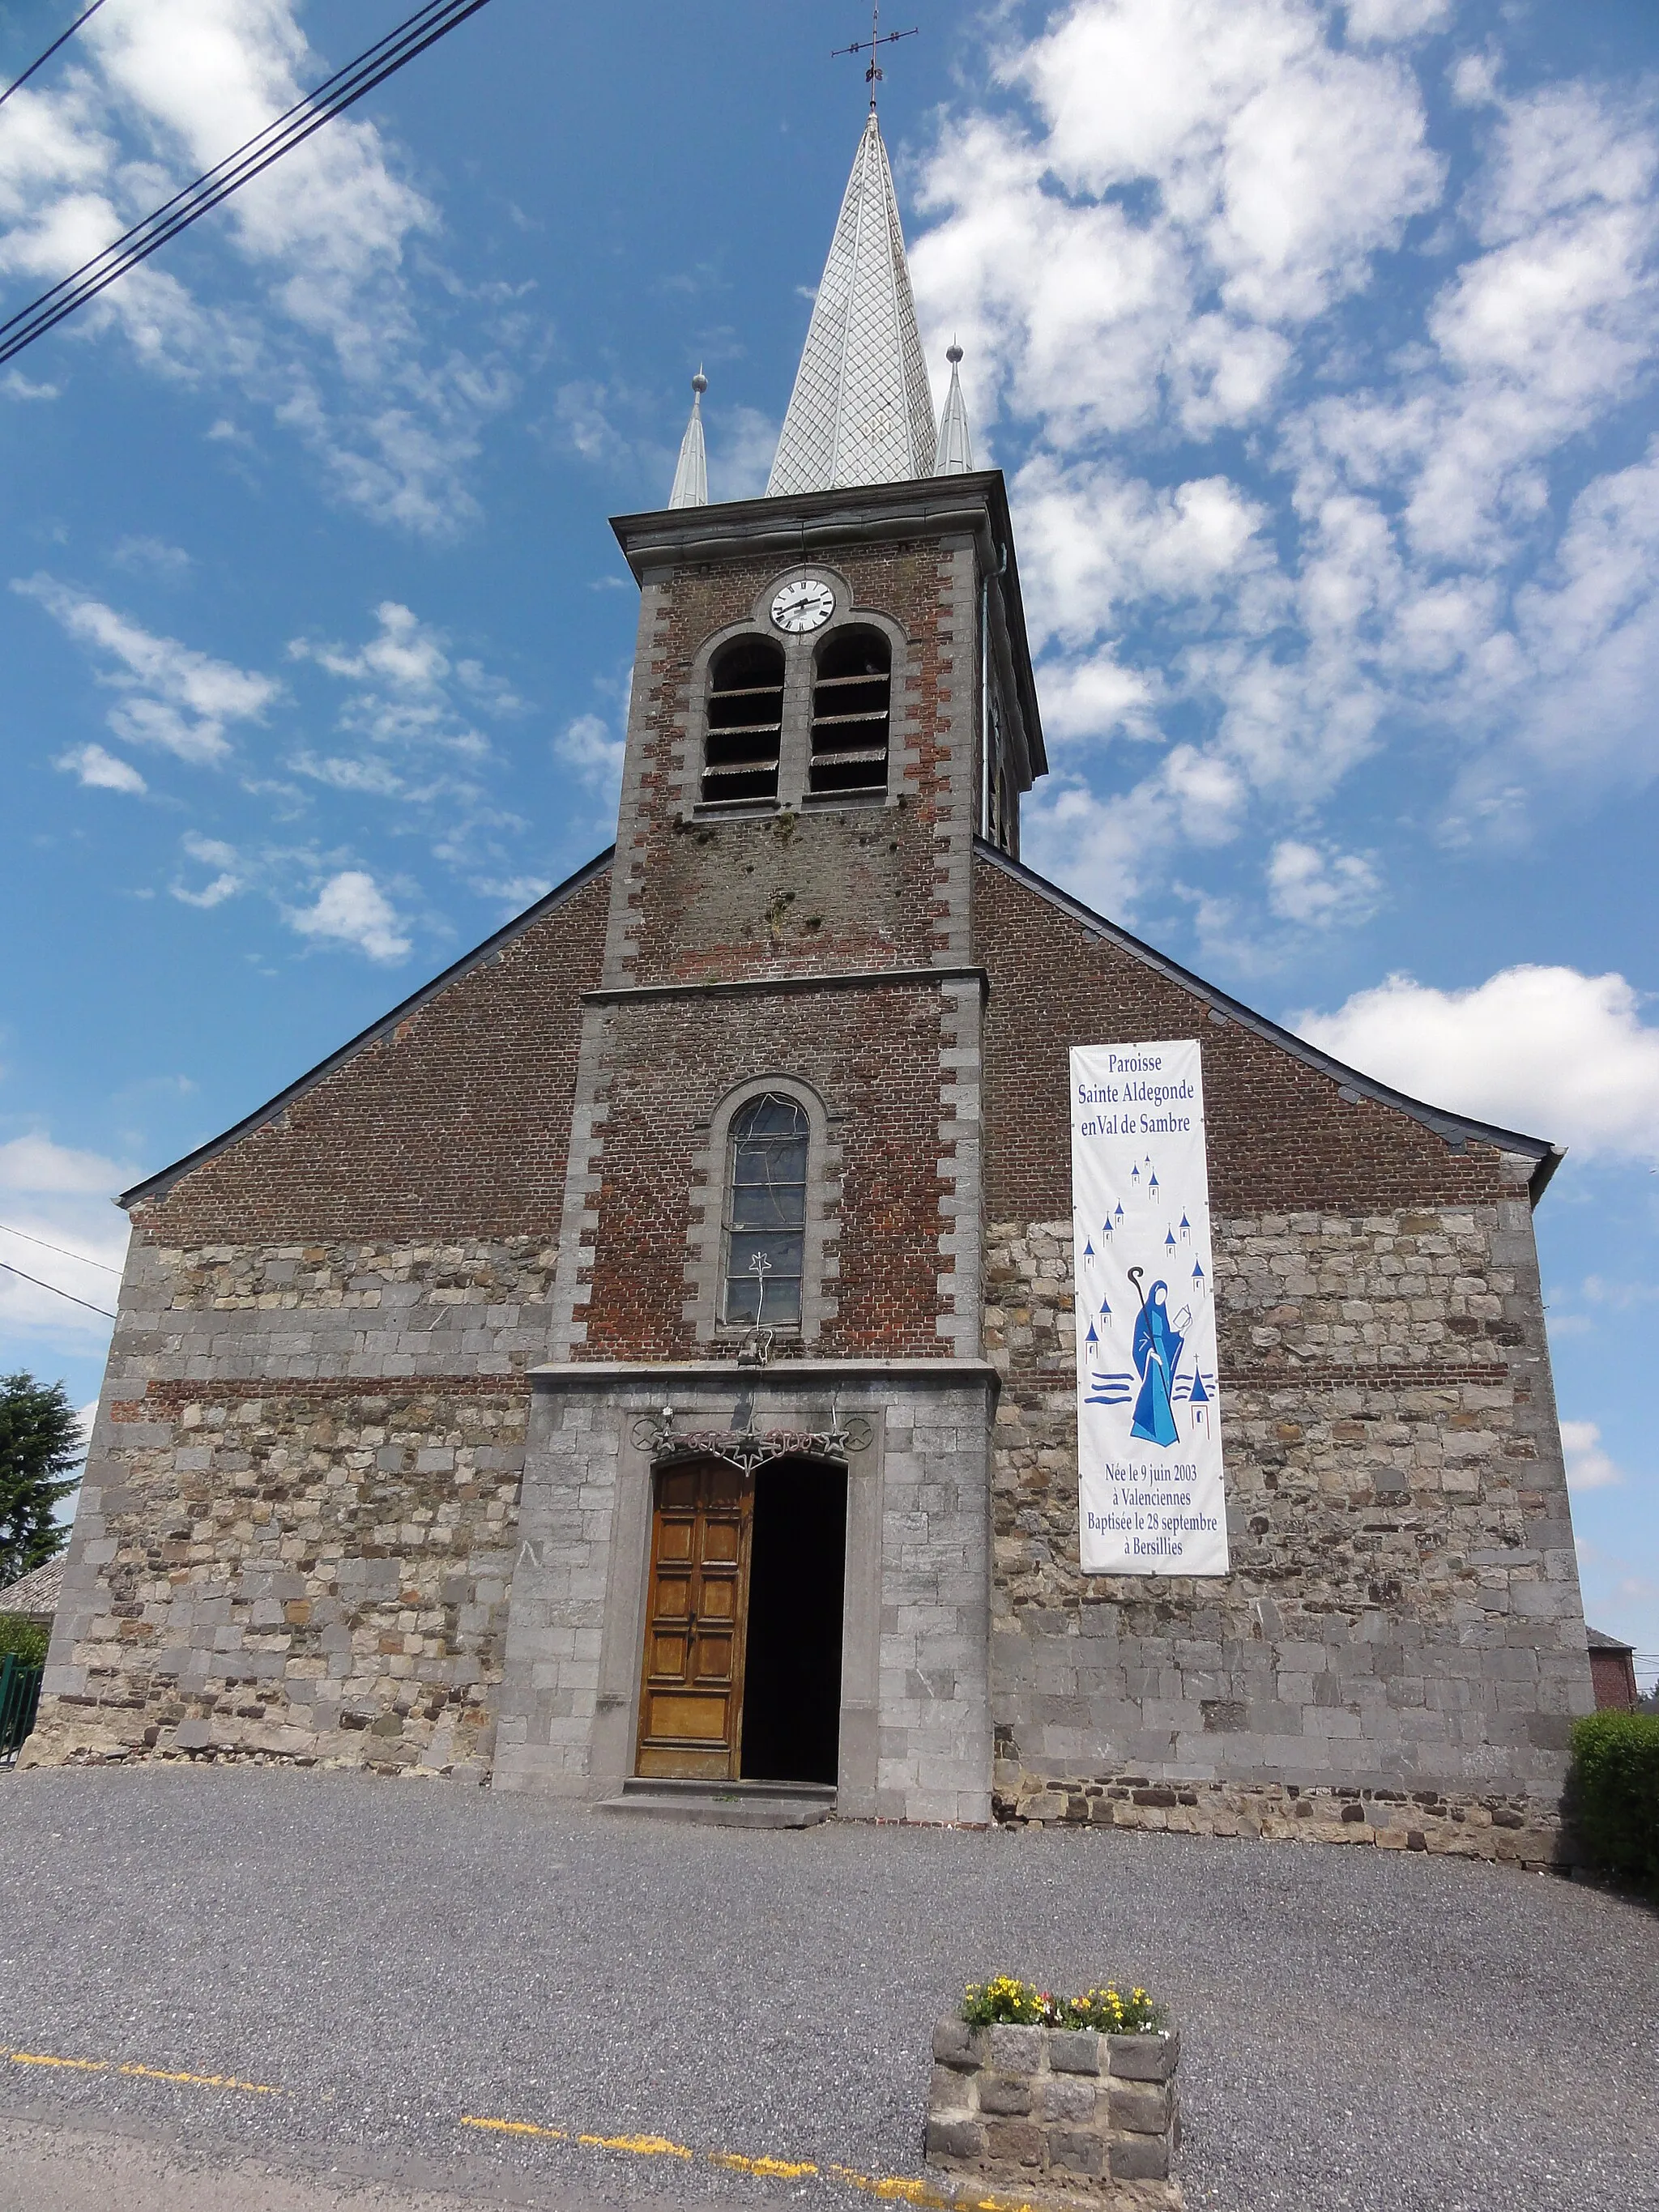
x=861 y=411
x=956 y=448
x=691 y=476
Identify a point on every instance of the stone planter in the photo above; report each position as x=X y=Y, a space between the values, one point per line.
x=1059 y=2111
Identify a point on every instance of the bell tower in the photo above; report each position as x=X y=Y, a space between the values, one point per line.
x=772 y=1209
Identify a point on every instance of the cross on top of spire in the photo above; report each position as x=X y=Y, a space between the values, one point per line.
x=871 y=46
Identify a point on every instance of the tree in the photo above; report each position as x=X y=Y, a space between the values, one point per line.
x=39 y=1444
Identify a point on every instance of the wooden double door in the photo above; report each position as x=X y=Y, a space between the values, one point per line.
x=743 y=1619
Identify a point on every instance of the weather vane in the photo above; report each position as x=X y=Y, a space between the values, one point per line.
x=871 y=46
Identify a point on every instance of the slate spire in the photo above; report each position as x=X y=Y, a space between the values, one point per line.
x=956 y=448
x=691 y=476
x=861 y=411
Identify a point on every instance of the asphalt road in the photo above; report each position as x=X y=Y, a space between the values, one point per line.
x=1359 y=2029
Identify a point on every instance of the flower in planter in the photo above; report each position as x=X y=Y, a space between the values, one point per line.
x=1005 y=2000
x=1108 y=2012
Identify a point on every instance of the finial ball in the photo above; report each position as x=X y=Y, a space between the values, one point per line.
x=953 y=355
x=700 y=384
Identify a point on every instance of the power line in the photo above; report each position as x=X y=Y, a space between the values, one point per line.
x=70 y=1295
x=62 y=1250
x=411 y=36
x=50 y=50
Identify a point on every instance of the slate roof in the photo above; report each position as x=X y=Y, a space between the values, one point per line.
x=36 y=1597
x=861 y=411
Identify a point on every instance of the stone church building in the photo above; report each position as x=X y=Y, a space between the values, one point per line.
x=639 y=1368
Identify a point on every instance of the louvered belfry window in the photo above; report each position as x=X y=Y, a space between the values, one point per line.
x=766 y=1214
x=852 y=700
x=745 y=721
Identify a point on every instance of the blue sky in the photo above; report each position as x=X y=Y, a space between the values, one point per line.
x=1316 y=343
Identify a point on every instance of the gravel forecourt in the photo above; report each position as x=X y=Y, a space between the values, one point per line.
x=1359 y=2029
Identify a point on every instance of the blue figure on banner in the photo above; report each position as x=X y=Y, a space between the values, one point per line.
x=1135 y=1175
x=1152 y=1184
x=1118 y=1216
x=1106 y=1230
x=1157 y=1352
x=1169 y=1240
x=1185 y=1230
x=1088 y=1249
x=1105 y=1310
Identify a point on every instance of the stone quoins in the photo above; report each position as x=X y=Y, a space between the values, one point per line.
x=1058 y=2109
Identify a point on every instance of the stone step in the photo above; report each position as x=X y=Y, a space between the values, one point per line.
x=725 y=1804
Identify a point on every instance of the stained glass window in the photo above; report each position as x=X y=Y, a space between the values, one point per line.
x=766 y=1214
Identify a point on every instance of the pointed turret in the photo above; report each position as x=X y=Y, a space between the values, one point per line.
x=956 y=448
x=861 y=411
x=691 y=476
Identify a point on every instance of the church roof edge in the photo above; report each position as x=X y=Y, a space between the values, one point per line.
x=159 y=1184
x=1452 y=1129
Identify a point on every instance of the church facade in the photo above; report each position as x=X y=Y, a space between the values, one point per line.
x=641 y=1367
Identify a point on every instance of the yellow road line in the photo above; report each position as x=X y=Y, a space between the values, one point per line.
x=891 y=2187
x=149 y=2072
x=202 y=2081
x=781 y=2169
x=641 y=2146
x=514 y=2127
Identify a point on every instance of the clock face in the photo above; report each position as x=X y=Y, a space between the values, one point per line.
x=804 y=604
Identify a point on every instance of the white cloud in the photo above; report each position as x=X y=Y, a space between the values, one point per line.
x=102 y=771
x=741 y=443
x=16 y=385
x=1588 y=1466
x=318 y=249
x=1386 y=555
x=1309 y=884
x=587 y=746
x=1396 y=19
x=1544 y=1050
x=212 y=853
x=36 y=1164
x=351 y=909
x=153 y=558
x=173 y=696
x=71 y=1236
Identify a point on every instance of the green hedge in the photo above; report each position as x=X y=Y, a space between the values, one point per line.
x=1615 y=1792
x=27 y=1638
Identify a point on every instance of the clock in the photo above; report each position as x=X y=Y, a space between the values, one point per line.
x=803 y=604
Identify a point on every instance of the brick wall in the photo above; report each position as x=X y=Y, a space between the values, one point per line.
x=855 y=886
x=1403 y=1611
x=873 y=1054
x=453 y=1124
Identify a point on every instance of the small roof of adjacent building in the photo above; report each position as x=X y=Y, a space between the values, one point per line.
x=36 y=1596
x=1598 y=1640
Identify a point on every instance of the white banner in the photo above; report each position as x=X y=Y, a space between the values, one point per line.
x=1150 y=1497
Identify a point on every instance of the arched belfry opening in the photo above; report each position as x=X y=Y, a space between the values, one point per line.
x=745 y=720
x=851 y=711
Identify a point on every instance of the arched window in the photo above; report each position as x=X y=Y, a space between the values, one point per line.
x=765 y=1227
x=745 y=720
x=851 y=703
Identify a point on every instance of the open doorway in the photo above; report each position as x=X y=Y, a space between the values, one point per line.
x=798 y=1572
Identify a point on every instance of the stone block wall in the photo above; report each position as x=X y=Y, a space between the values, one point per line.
x=298 y=1522
x=1402 y=1622
x=1059 y=2111
x=914 y=1719
x=1402 y=1618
